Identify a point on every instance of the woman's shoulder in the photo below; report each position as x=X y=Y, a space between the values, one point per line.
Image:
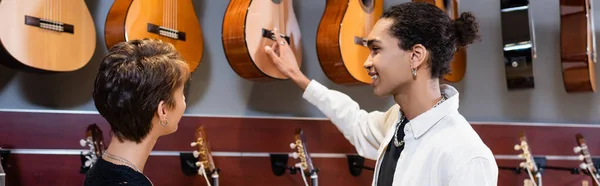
x=107 y=173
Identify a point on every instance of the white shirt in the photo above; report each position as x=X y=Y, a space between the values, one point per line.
x=441 y=148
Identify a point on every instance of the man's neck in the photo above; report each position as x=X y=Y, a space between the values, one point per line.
x=137 y=154
x=418 y=98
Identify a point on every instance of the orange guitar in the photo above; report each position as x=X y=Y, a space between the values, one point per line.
x=577 y=41
x=341 y=48
x=47 y=36
x=173 y=21
x=248 y=27
x=458 y=65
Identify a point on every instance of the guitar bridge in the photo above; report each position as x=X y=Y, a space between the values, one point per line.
x=269 y=34
x=166 y=32
x=49 y=24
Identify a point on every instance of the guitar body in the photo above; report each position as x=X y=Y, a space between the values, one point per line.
x=173 y=21
x=54 y=48
x=518 y=41
x=340 y=49
x=248 y=27
x=458 y=65
x=577 y=46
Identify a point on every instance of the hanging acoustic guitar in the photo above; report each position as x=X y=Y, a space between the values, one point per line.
x=46 y=36
x=172 y=21
x=578 y=42
x=248 y=26
x=341 y=39
x=206 y=165
x=94 y=140
x=587 y=164
x=535 y=176
x=518 y=43
x=458 y=65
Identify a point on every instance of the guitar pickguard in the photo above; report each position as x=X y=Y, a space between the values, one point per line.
x=518 y=43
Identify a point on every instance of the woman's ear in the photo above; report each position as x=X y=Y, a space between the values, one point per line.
x=161 y=110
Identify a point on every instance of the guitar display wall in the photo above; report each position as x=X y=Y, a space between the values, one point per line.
x=26 y=132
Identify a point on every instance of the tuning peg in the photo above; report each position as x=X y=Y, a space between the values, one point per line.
x=581 y=157
x=521 y=156
x=299 y=165
x=196 y=154
x=522 y=164
x=292 y=145
x=193 y=144
x=85 y=153
x=517 y=147
x=577 y=149
x=198 y=164
x=88 y=163
x=583 y=166
x=295 y=155
x=82 y=142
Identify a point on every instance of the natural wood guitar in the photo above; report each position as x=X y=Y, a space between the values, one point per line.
x=577 y=41
x=173 y=21
x=458 y=65
x=47 y=36
x=248 y=27
x=341 y=37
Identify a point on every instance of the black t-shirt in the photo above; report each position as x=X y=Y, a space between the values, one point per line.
x=109 y=174
x=390 y=158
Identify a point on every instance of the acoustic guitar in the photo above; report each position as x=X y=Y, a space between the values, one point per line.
x=47 y=36
x=94 y=140
x=587 y=164
x=578 y=42
x=206 y=164
x=341 y=39
x=518 y=43
x=535 y=176
x=458 y=65
x=173 y=21
x=248 y=26
x=305 y=164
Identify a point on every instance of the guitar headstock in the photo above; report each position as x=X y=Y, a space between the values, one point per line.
x=203 y=152
x=300 y=146
x=94 y=140
x=529 y=163
x=584 y=155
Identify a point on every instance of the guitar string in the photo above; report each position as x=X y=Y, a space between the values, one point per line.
x=175 y=20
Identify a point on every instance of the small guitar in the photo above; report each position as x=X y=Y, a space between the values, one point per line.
x=248 y=26
x=518 y=43
x=585 y=156
x=173 y=21
x=95 y=142
x=458 y=65
x=341 y=39
x=578 y=42
x=206 y=165
x=529 y=165
x=47 y=36
x=305 y=165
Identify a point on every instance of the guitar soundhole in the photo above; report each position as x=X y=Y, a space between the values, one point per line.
x=367 y=3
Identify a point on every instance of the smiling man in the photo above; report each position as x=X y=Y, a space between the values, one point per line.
x=422 y=139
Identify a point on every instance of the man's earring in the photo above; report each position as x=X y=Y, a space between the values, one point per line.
x=164 y=124
x=414 y=73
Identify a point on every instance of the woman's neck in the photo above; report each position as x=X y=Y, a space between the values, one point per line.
x=418 y=98
x=137 y=154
